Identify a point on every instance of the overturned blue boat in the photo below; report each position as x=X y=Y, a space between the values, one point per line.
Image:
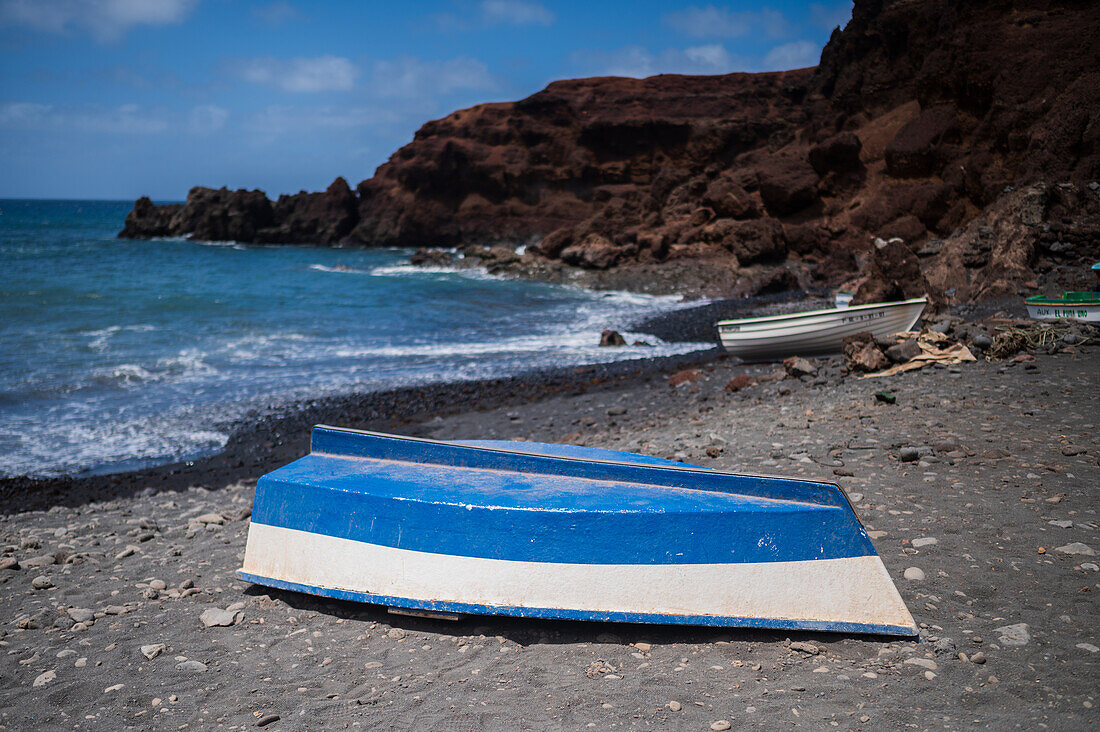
x=557 y=531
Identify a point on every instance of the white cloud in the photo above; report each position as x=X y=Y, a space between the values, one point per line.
x=22 y=114
x=796 y=55
x=713 y=22
x=638 y=62
x=275 y=13
x=125 y=119
x=411 y=77
x=495 y=12
x=324 y=73
x=129 y=119
x=206 y=118
x=832 y=15
x=515 y=12
x=105 y=20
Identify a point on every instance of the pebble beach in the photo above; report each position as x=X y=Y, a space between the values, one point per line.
x=119 y=608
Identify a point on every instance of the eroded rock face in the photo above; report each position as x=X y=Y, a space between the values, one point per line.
x=921 y=117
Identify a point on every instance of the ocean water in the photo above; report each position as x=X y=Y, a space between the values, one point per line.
x=118 y=354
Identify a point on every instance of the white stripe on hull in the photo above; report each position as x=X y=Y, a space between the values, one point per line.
x=851 y=590
x=1086 y=313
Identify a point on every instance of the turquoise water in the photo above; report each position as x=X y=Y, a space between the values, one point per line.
x=116 y=354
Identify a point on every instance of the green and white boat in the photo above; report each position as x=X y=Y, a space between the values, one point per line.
x=1083 y=306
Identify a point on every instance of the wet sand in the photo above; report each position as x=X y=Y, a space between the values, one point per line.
x=1004 y=477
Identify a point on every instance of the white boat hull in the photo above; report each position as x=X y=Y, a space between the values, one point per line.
x=814 y=333
x=1084 y=312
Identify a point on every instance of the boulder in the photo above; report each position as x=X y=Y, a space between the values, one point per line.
x=861 y=353
x=796 y=367
x=787 y=184
x=893 y=272
x=751 y=241
x=904 y=351
x=596 y=252
x=611 y=338
x=837 y=154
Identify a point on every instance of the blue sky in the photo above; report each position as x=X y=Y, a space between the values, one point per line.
x=119 y=98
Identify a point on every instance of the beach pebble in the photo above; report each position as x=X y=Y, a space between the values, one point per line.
x=81 y=662
x=130 y=550
x=1076 y=548
x=1061 y=524
x=978 y=658
x=158 y=584
x=944 y=647
x=675 y=706
x=927 y=663
x=9 y=563
x=43 y=560
x=1013 y=635
x=212 y=617
x=721 y=724
x=807 y=648
x=153 y=650
x=396 y=633
x=193 y=666
x=924 y=541
x=81 y=614
x=1071 y=450
x=267 y=719
x=909 y=454
x=643 y=647
x=1088 y=647
x=211 y=518
x=113 y=688
x=41 y=582
x=236 y=606
x=44 y=678
x=914 y=573
x=1091 y=566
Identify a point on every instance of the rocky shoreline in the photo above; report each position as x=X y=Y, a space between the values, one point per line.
x=964 y=130
x=977 y=482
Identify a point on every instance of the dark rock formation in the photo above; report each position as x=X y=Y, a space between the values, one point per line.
x=920 y=118
x=894 y=273
x=321 y=218
x=147 y=220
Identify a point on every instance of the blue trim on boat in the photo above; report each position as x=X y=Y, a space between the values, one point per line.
x=576 y=452
x=520 y=506
x=586 y=615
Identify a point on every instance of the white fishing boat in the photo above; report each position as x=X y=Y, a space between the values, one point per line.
x=1083 y=306
x=816 y=332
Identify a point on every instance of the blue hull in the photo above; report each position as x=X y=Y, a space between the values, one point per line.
x=556 y=531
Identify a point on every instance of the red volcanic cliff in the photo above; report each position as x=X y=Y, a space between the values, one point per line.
x=924 y=119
